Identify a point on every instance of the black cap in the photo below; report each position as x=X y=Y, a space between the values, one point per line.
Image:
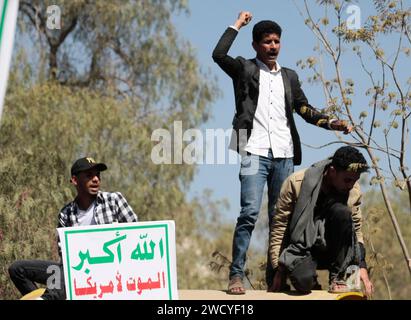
x=84 y=164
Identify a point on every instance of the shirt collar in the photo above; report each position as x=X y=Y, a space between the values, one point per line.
x=99 y=198
x=263 y=66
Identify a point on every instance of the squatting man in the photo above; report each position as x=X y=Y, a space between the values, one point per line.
x=317 y=225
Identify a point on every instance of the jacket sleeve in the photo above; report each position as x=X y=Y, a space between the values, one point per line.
x=303 y=108
x=356 y=215
x=230 y=65
x=284 y=208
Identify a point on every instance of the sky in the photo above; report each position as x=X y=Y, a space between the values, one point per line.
x=204 y=26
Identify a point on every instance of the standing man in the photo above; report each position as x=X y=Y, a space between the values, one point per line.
x=318 y=226
x=91 y=206
x=265 y=134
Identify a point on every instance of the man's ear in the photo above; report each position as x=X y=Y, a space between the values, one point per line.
x=74 y=180
x=332 y=171
x=254 y=44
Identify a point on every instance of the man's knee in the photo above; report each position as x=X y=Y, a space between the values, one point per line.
x=304 y=275
x=247 y=220
x=304 y=282
x=16 y=269
x=341 y=213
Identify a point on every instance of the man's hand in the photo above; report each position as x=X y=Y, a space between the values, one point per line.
x=341 y=125
x=244 y=17
x=368 y=286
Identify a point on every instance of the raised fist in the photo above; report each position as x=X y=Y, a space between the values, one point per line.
x=244 y=17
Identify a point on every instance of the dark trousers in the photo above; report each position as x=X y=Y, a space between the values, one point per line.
x=25 y=275
x=339 y=241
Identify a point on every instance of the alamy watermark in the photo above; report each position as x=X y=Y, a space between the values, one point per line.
x=194 y=146
x=53 y=17
x=354 y=19
x=54 y=280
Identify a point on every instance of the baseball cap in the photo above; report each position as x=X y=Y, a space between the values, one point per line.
x=86 y=163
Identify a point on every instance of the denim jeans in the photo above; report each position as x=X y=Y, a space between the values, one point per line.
x=255 y=172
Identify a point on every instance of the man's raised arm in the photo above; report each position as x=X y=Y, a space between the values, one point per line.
x=220 y=56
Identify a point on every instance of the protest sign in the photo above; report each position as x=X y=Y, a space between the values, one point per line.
x=8 y=18
x=120 y=261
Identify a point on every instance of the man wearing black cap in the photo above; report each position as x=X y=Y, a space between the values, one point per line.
x=91 y=206
x=264 y=131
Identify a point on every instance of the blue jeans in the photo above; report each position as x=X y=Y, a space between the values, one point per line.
x=255 y=172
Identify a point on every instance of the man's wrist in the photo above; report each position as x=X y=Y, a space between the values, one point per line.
x=364 y=273
x=237 y=25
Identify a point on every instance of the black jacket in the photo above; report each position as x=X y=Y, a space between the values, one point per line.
x=245 y=74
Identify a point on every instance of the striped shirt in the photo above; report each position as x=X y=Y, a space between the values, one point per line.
x=109 y=207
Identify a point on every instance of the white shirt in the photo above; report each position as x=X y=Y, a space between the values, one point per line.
x=271 y=128
x=86 y=217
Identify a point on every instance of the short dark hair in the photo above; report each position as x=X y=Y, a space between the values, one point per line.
x=349 y=159
x=265 y=26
